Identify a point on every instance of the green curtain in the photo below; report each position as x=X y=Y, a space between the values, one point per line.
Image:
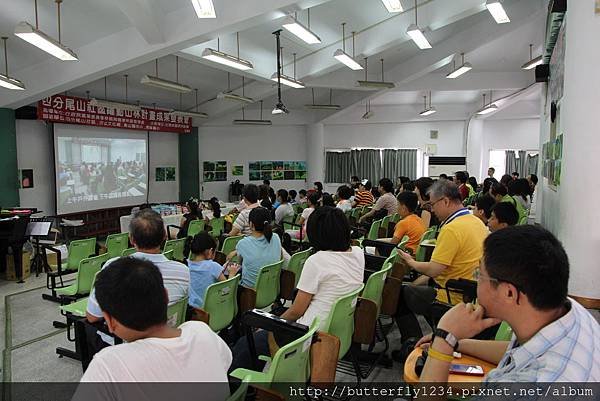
x=337 y=167
x=400 y=162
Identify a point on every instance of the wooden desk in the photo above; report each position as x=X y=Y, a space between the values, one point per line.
x=455 y=381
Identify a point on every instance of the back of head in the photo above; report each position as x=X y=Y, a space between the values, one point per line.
x=520 y=187
x=445 y=189
x=293 y=194
x=408 y=186
x=487 y=184
x=533 y=260
x=318 y=185
x=368 y=185
x=215 y=206
x=473 y=182
x=283 y=195
x=386 y=184
x=345 y=192
x=533 y=178
x=131 y=290
x=147 y=229
x=328 y=229
x=443 y=176
x=327 y=200
x=505 y=180
x=192 y=205
x=408 y=199
x=423 y=184
x=313 y=199
x=485 y=203
x=461 y=177
x=251 y=193
x=261 y=219
x=506 y=212
x=200 y=243
x=498 y=189
x=403 y=180
x=263 y=192
x=267 y=183
x=302 y=192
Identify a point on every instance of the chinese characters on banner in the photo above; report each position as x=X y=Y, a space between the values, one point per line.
x=76 y=110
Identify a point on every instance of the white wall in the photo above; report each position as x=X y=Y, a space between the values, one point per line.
x=239 y=145
x=163 y=151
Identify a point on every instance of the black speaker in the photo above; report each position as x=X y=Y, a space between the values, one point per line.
x=26 y=113
x=542 y=73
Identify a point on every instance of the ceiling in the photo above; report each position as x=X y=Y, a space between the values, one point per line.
x=117 y=37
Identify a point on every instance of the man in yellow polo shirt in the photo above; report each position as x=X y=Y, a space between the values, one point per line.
x=458 y=250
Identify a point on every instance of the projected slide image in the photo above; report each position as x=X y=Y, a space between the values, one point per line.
x=100 y=169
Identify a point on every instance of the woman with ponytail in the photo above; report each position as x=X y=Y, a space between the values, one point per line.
x=262 y=247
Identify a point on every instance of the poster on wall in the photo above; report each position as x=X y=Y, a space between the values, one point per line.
x=557 y=66
x=552 y=152
x=277 y=170
x=237 y=170
x=160 y=174
x=215 y=171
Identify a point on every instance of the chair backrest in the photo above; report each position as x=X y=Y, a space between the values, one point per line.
x=86 y=274
x=128 y=252
x=395 y=218
x=386 y=221
x=176 y=245
x=340 y=321
x=267 y=284
x=296 y=264
x=242 y=390
x=116 y=244
x=168 y=254
x=504 y=332
x=195 y=227
x=374 y=287
x=217 y=225
x=427 y=235
x=176 y=312
x=79 y=250
x=220 y=301
x=403 y=242
x=374 y=230
x=229 y=244
x=291 y=363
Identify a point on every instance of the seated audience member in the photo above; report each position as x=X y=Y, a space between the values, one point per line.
x=354 y=182
x=261 y=248
x=521 y=194
x=410 y=224
x=532 y=179
x=302 y=196
x=313 y=203
x=483 y=208
x=502 y=215
x=422 y=185
x=285 y=210
x=263 y=197
x=327 y=200
x=336 y=269
x=241 y=225
x=472 y=184
x=400 y=183
x=147 y=233
x=363 y=196
x=487 y=186
x=133 y=299
x=204 y=271
x=273 y=197
x=293 y=195
x=461 y=181
x=344 y=194
x=500 y=193
x=385 y=205
x=214 y=210
x=515 y=175
x=505 y=180
x=193 y=213
x=523 y=280
x=318 y=187
x=443 y=176
x=408 y=187
x=458 y=250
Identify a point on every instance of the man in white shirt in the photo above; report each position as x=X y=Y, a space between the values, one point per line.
x=133 y=300
x=285 y=209
x=147 y=233
x=241 y=225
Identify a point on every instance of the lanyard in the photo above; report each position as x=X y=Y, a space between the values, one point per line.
x=461 y=212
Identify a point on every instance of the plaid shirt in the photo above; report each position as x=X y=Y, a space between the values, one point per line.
x=566 y=350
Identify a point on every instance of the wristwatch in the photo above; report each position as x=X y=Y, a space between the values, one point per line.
x=446 y=336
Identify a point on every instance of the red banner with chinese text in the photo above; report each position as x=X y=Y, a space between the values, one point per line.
x=76 y=110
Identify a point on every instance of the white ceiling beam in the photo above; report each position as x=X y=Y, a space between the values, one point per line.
x=473 y=81
x=507 y=101
x=143 y=17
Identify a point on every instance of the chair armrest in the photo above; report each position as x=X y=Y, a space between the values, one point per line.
x=264 y=358
x=323 y=359
x=365 y=320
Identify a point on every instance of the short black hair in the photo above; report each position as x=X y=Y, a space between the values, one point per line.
x=302 y=192
x=534 y=178
x=499 y=189
x=251 y=193
x=505 y=180
x=423 y=184
x=147 y=229
x=345 y=192
x=327 y=200
x=485 y=203
x=313 y=199
x=515 y=173
x=487 y=184
x=461 y=177
x=283 y=194
x=367 y=185
x=473 y=182
x=200 y=243
x=493 y=169
x=354 y=178
x=443 y=176
x=505 y=212
x=319 y=185
x=387 y=184
x=403 y=179
x=408 y=199
x=533 y=260
x=328 y=229
x=408 y=186
x=266 y=182
x=132 y=291
x=293 y=194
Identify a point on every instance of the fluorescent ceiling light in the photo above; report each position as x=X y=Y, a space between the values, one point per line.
x=39 y=39
x=114 y=105
x=417 y=36
x=288 y=81
x=164 y=84
x=252 y=122
x=376 y=84
x=533 y=63
x=344 y=58
x=323 y=106
x=11 y=83
x=460 y=70
x=367 y=115
x=226 y=59
x=488 y=109
x=234 y=97
x=291 y=24
x=191 y=114
x=495 y=8
x=280 y=109
x=393 y=6
x=427 y=112
x=204 y=8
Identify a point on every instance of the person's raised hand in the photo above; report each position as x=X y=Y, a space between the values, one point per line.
x=406 y=256
x=466 y=320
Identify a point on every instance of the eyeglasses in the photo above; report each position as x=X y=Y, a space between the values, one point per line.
x=431 y=204
x=477 y=275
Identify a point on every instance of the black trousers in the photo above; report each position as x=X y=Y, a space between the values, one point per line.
x=414 y=300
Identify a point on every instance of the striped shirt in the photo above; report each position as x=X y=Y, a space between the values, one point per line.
x=242 y=222
x=364 y=198
x=176 y=278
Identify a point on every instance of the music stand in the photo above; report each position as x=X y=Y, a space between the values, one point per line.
x=38 y=228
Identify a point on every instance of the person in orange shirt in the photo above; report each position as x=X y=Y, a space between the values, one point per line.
x=410 y=224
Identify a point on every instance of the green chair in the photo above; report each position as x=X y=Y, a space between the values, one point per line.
x=374 y=230
x=195 y=227
x=340 y=321
x=426 y=238
x=128 y=252
x=85 y=277
x=240 y=393
x=116 y=244
x=217 y=226
x=267 y=284
x=176 y=312
x=291 y=363
x=385 y=222
x=220 y=303
x=402 y=243
x=176 y=245
x=229 y=245
x=296 y=264
x=504 y=332
x=169 y=254
x=374 y=287
x=77 y=308
x=395 y=218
